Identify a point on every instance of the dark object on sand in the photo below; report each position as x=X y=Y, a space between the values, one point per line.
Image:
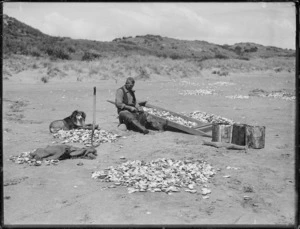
x=240 y=134
x=61 y=152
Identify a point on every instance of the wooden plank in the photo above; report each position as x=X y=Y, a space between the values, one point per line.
x=187 y=129
x=141 y=103
x=205 y=127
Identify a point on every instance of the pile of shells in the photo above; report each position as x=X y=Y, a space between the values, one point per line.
x=197 y=92
x=84 y=136
x=168 y=116
x=27 y=158
x=237 y=97
x=160 y=175
x=274 y=94
x=281 y=95
x=184 y=82
x=220 y=83
x=209 y=118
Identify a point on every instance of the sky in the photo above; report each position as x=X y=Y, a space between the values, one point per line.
x=266 y=23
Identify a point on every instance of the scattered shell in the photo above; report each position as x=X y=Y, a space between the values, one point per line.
x=26 y=157
x=235 y=168
x=205 y=191
x=172 y=189
x=190 y=186
x=84 y=136
x=190 y=190
x=132 y=190
x=247 y=198
x=197 y=92
x=160 y=175
x=237 y=97
x=226 y=176
x=205 y=197
x=282 y=94
x=220 y=83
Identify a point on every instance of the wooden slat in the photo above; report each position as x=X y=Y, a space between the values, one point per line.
x=187 y=129
x=141 y=103
x=209 y=125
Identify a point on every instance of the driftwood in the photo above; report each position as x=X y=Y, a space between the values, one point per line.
x=224 y=145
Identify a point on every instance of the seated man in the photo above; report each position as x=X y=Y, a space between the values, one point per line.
x=130 y=113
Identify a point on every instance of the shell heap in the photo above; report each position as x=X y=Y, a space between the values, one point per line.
x=282 y=95
x=26 y=158
x=209 y=118
x=168 y=116
x=237 y=97
x=274 y=94
x=197 y=92
x=220 y=83
x=160 y=175
x=84 y=136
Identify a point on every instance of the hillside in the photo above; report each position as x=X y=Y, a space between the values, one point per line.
x=19 y=38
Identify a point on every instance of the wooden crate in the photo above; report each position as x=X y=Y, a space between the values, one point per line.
x=240 y=134
x=221 y=133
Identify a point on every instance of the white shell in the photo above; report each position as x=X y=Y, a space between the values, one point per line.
x=205 y=191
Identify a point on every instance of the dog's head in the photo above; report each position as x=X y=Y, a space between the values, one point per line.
x=78 y=117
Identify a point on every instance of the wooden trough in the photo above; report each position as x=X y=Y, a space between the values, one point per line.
x=160 y=123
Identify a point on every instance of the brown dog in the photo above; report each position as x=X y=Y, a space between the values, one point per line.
x=75 y=121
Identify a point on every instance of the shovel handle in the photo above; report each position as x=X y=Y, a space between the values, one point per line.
x=94 y=116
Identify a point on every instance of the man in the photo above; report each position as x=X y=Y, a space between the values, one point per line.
x=130 y=113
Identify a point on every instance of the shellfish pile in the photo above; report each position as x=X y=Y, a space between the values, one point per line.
x=237 y=97
x=160 y=175
x=209 y=118
x=27 y=158
x=220 y=83
x=197 y=92
x=170 y=117
x=84 y=136
x=184 y=82
x=282 y=94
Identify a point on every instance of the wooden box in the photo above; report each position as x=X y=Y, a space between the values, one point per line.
x=221 y=133
x=240 y=134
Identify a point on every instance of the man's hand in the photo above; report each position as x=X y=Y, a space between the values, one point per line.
x=140 y=109
x=132 y=109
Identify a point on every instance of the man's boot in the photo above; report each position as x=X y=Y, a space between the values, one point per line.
x=138 y=126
